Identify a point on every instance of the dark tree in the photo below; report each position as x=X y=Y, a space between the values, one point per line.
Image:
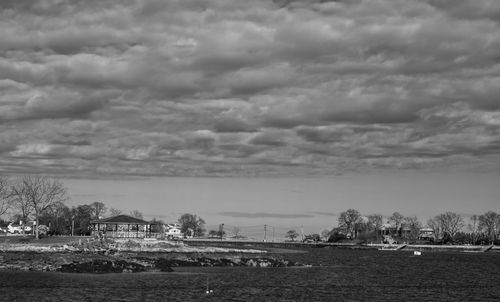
x=412 y=227
x=58 y=219
x=336 y=235
x=192 y=224
x=348 y=222
x=292 y=234
x=396 y=221
x=157 y=225
x=82 y=215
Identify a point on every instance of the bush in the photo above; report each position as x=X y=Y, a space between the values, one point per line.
x=336 y=237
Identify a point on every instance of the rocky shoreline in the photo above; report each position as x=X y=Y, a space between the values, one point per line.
x=128 y=257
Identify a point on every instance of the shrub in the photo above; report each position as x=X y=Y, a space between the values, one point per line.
x=336 y=237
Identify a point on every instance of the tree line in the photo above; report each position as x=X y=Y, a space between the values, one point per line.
x=43 y=200
x=448 y=227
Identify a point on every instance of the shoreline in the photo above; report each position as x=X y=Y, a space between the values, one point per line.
x=437 y=248
x=345 y=245
x=86 y=255
x=128 y=256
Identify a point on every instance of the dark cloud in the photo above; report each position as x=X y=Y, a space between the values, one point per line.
x=248 y=88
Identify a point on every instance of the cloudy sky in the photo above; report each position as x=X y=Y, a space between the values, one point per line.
x=118 y=89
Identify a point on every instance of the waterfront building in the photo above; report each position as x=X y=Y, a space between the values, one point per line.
x=122 y=226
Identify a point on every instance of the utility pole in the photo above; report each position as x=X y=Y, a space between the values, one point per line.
x=273 y=234
x=265 y=232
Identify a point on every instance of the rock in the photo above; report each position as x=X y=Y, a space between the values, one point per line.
x=163 y=265
x=102 y=266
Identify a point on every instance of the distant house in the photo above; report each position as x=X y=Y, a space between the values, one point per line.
x=173 y=230
x=426 y=234
x=387 y=229
x=122 y=226
x=18 y=228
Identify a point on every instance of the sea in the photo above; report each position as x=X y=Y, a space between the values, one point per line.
x=331 y=274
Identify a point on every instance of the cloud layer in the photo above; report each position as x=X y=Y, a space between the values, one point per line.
x=248 y=87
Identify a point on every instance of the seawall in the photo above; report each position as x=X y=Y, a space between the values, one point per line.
x=291 y=245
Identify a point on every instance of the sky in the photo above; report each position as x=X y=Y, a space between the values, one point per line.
x=280 y=99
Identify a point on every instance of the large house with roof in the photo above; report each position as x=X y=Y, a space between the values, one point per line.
x=122 y=226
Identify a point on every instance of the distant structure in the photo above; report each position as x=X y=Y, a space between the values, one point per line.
x=426 y=234
x=18 y=228
x=173 y=230
x=122 y=226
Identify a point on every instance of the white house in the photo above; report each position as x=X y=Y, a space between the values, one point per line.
x=17 y=228
x=173 y=230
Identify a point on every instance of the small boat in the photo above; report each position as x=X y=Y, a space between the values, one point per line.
x=417 y=253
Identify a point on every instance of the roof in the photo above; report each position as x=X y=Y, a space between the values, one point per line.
x=121 y=219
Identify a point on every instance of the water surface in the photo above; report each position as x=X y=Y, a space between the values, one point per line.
x=335 y=275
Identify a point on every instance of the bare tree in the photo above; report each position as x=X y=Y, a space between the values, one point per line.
x=451 y=223
x=136 y=214
x=115 y=212
x=448 y=223
x=375 y=222
x=488 y=223
x=20 y=200
x=474 y=228
x=396 y=221
x=99 y=209
x=5 y=195
x=413 y=225
x=435 y=225
x=348 y=221
x=39 y=193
